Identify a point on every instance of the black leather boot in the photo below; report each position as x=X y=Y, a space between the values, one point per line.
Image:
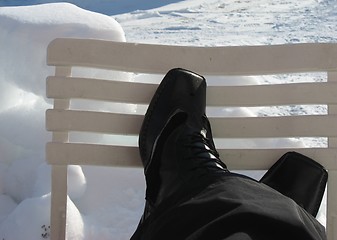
x=299 y=178
x=180 y=90
x=188 y=160
x=175 y=141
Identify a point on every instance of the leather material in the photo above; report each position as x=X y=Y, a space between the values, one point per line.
x=179 y=93
x=176 y=112
x=180 y=89
x=299 y=178
x=186 y=179
x=186 y=157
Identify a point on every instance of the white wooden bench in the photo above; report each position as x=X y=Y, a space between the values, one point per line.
x=65 y=54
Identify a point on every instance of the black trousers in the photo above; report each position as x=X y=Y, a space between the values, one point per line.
x=231 y=207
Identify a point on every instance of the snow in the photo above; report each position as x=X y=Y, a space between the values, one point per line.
x=106 y=203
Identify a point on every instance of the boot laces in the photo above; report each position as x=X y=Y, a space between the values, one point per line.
x=203 y=150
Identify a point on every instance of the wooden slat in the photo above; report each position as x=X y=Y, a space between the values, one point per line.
x=58 y=202
x=268 y=127
x=59 y=179
x=236 y=159
x=259 y=159
x=238 y=127
x=84 y=88
x=331 y=226
x=88 y=121
x=131 y=92
x=146 y=58
x=235 y=60
x=92 y=154
x=273 y=95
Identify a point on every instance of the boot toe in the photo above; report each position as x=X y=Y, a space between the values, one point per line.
x=179 y=90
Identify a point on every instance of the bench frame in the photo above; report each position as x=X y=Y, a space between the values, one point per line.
x=65 y=54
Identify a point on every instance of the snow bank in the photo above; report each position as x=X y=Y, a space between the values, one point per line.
x=30 y=220
x=24 y=176
x=31 y=28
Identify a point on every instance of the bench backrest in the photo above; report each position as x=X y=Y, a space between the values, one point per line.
x=64 y=87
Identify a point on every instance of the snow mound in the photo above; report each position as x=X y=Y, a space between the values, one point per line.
x=76 y=181
x=25 y=33
x=30 y=220
x=31 y=28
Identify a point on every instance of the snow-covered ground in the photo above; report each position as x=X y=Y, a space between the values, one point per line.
x=106 y=203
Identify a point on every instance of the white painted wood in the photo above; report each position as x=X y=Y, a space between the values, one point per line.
x=237 y=60
x=234 y=127
x=83 y=88
x=93 y=154
x=128 y=156
x=272 y=95
x=268 y=127
x=332 y=208
x=58 y=216
x=332 y=184
x=132 y=92
x=147 y=58
x=58 y=211
x=88 y=121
